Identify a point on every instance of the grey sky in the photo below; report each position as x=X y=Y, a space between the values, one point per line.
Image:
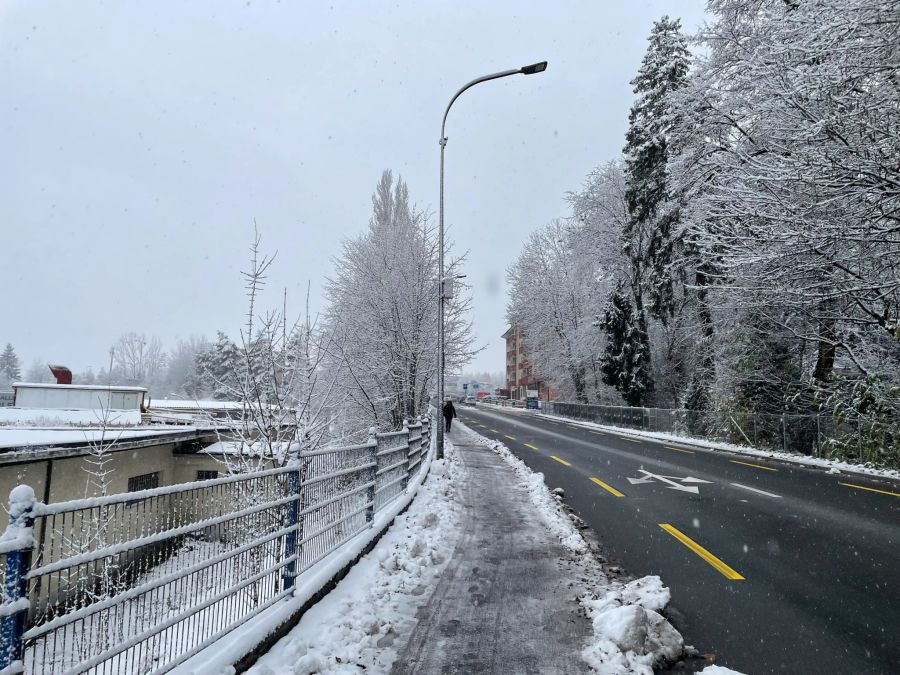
x=140 y=140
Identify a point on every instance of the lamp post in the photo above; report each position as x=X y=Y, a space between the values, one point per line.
x=443 y=296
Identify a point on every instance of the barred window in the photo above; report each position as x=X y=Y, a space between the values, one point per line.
x=207 y=475
x=145 y=481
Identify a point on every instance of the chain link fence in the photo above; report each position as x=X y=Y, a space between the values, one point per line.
x=812 y=435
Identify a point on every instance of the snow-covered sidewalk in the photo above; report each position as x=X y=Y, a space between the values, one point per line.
x=361 y=624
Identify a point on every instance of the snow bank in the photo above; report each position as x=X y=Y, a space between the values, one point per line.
x=630 y=633
x=833 y=465
x=360 y=625
x=720 y=670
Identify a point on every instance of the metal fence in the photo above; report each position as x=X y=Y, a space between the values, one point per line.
x=140 y=582
x=815 y=435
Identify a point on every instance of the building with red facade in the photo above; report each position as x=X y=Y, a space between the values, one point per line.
x=520 y=375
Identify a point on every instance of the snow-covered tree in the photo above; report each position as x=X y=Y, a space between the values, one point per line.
x=625 y=363
x=553 y=299
x=651 y=232
x=382 y=314
x=10 y=369
x=138 y=360
x=38 y=372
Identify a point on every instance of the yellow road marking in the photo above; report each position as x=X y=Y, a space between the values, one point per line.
x=494 y=431
x=529 y=445
x=755 y=466
x=483 y=426
x=687 y=452
x=863 y=487
x=608 y=488
x=599 y=433
x=724 y=569
x=561 y=461
x=625 y=438
x=509 y=437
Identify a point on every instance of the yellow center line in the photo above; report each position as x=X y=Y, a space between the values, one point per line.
x=599 y=433
x=494 y=431
x=626 y=438
x=755 y=466
x=863 y=487
x=509 y=437
x=608 y=488
x=687 y=452
x=483 y=426
x=724 y=569
x=529 y=445
x=561 y=461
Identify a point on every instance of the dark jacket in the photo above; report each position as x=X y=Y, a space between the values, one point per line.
x=449 y=410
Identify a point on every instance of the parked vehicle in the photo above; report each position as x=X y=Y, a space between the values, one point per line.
x=469 y=400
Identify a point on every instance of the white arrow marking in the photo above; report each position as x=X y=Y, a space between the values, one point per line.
x=689 y=479
x=752 y=489
x=671 y=481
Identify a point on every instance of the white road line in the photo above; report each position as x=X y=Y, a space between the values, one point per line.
x=752 y=489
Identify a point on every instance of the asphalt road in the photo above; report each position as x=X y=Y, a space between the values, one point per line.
x=773 y=567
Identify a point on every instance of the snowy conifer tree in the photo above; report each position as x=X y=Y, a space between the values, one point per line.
x=10 y=369
x=650 y=235
x=625 y=363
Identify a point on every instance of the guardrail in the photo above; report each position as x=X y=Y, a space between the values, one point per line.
x=140 y=582
x=815 y=435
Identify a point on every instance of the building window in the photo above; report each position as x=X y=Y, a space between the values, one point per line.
x=207 y=475
x=145 y=481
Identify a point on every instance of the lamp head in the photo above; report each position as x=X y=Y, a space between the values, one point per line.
x=534 y=68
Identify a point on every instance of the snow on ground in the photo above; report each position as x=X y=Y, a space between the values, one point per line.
x=57 y=417
x=719 y=670
x=833 y=465
x=363 y=622
x=630 y=634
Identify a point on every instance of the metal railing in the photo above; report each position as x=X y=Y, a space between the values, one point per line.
x=140 y=582
x=814 y=435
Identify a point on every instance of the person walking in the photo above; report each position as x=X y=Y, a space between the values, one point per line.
x=449 y=414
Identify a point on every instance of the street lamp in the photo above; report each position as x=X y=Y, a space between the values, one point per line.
x=442 y=293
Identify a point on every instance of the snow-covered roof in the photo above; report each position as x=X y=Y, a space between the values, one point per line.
x=21 y=437
x=174 y=404
x=92 y=387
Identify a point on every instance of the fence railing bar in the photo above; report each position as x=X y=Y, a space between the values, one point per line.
x=337 y=474
x=41 y=509
x=343 y=495
x=125 y=546
x=385 y=469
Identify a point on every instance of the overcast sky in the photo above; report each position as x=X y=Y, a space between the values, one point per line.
x=141 y=140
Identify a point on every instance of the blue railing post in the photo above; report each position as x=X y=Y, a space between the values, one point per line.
x=15 y=586
x=291 y=543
